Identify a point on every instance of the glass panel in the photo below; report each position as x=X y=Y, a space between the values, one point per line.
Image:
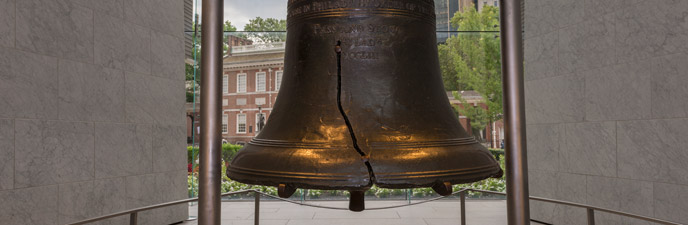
x=224 y=123
x=469 y=54
x=241 y=123
x=225 y=86
x=241 y=83
x=260 y=82
x=278 y=80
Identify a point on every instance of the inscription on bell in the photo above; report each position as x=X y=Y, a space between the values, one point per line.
x=355 y=28
x=317 y=6
x=361 y=55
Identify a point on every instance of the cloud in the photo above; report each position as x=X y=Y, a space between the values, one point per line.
x=239 y=12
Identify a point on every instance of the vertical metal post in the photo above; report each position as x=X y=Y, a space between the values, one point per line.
x=256 y=213
x=591 y=217
x=211 y=100
x=518 y=209
x=303 y=195
x=462 y=196
x=133 y=218
x=408 y=195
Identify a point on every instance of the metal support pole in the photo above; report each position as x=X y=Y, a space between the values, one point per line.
x=462 y=196
x=518 y=209
x=591 y=217
x=133 y=218
x=256 y=213
x=408 y=195
x=211 y=100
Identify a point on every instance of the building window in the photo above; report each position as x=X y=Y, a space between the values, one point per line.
x=225 y=87
x=241 y=123
x=241 y=83
x=496 y=3
x=278 y=80
x=225 y=102
x=224 y=123
x=241 y=101
x=260 y=125
x=260 y=101
x=260 y=81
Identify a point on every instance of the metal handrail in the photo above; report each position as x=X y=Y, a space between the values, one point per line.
x=590 y=209
x=133 y=213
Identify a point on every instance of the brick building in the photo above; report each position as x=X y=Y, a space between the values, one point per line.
x=493 y=134
x=251 y=79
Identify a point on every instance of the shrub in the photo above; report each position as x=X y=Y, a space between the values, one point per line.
x=192 y=153
x=229 y=151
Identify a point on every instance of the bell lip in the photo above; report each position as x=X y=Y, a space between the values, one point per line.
x=234 y=171
x=305 y=180
x=415 y=181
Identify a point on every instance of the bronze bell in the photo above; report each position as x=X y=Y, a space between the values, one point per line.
x=362 y=103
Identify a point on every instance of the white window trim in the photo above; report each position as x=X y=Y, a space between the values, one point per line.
x=265 y=79
x=225 y=123
x=245 y=124
x=239 y=83
x=281 y=76
x=225 y=84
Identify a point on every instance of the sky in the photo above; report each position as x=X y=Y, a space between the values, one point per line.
x=240 y=11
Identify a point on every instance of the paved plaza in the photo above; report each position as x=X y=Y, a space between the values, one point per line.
x=482 y=212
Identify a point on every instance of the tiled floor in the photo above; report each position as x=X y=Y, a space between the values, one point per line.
x=483 y=212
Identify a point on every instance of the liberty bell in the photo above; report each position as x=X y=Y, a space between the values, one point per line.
x=362 y=103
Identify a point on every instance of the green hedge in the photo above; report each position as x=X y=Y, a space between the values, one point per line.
x=228 y=152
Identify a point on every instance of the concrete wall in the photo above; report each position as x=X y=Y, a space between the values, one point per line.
x=92 y=110
x=607 y=107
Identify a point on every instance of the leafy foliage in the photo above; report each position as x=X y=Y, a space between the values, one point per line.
x=227 y=27
x=229 y=151
x=266 y=30
x=192 y=153
x=193 y=72
x=473 y=62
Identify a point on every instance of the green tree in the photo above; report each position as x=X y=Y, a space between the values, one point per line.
x=266 y=30
x=189 y=68
x=227 y=28
x=448 y=70
x=229 y=151
x=476 y=63
x=193 y=70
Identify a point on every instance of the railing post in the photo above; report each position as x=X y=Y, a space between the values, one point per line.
x=256 y=213
x=133 y=218
x=462 y=196
x=591 y=216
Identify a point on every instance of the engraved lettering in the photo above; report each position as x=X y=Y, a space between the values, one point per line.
x=355 y=28
x=361 y=55
x=317 y=6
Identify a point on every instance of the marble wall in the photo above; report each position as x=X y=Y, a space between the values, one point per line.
x=607 y=107
x=92 y=110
